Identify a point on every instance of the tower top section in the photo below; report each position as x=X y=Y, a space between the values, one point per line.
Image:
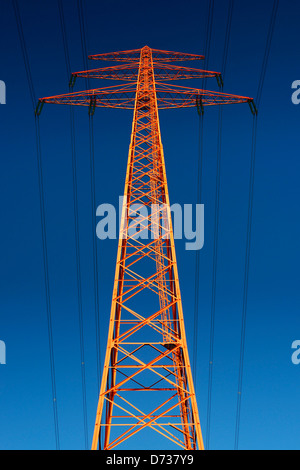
x=127 y=70
x=157 y=55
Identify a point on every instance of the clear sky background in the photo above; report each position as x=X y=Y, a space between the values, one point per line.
x=270 y=413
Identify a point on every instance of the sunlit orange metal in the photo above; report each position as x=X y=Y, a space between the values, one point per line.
x=147 y=382
x=166 y=367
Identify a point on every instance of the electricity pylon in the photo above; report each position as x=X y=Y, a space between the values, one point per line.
x=147 y=382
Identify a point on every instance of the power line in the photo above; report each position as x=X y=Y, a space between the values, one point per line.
x=43 y=218
x=227 y=37
x=24 y=52
x=197 y=265
x=209 y=25
x=208 y=33
x=267 y=51
x=95 y=249
x=83 y=37
x=214 y=278
x=64 y=37
x=47 y=287
x=249 y=221
x=78 y=265
x=216 y=232
x=76 y=231
x=246 y=278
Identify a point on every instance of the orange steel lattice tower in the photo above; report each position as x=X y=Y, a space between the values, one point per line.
x=147 y=382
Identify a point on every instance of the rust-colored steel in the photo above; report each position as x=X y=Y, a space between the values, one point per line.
x=147 y=382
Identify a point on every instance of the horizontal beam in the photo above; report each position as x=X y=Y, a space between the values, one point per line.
x=123 y=97
x=171 y=56
x=129 y=72
x=133 y=55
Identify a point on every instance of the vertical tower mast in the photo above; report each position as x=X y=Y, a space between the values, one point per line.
x=165 y=372
x=147 y=382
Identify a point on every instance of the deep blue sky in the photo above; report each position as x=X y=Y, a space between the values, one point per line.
x=270 y=413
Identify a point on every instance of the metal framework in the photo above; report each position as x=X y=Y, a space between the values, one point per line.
x=147 y=383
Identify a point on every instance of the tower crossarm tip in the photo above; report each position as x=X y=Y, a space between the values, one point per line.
x=253 y=107
x=133 y=55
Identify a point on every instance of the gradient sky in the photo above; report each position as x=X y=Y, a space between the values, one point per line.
x=270 y=413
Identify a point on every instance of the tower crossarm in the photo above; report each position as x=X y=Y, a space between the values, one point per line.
x=168 y=96
x=129 y=72
x=117 y=72
x=165 y=72
x=157 y=55
x=174 y=96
